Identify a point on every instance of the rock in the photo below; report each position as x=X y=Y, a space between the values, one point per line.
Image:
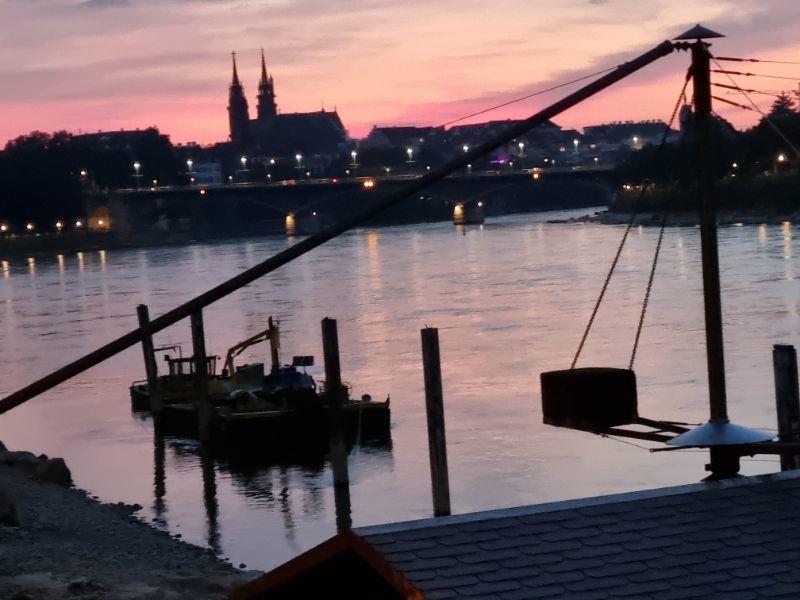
x=27 y=461
x=82 y=587
x=53 y=470
x=8 y=513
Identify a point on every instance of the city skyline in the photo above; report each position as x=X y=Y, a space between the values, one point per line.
x=109 y=64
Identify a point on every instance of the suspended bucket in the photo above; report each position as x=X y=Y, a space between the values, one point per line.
x=590 y=399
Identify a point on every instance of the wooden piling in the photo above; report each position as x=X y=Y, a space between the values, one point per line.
x=150 y=366
x=274 y=345
x=201 y=402
x=434 y=405
x=787 y=401
x=334 y=394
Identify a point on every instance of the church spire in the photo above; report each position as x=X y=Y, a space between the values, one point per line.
x=267 y=108
x=235 y=73
x=264 y=78
x=238 y=113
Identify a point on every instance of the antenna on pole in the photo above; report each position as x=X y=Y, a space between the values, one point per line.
x=719 y=432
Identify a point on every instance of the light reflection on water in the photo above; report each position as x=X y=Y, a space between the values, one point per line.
x=510 y=300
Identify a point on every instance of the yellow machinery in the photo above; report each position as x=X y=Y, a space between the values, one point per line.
x=271 y=333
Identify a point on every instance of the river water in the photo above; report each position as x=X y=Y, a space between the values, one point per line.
x=510 y=300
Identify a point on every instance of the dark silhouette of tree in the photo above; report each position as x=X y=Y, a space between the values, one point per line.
x=40 y=173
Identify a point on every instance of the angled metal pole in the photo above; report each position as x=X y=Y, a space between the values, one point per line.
x=281 y=258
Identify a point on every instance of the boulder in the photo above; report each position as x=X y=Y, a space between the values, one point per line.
x=53 y=470
x=8 y=513
x=27 y=461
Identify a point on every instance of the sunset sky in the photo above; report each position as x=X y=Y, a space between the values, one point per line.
x=110 y=64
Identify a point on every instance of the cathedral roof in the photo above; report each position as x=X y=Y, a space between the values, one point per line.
x=320 y=132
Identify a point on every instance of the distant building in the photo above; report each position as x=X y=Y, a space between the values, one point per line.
x=396 y=137
x=273 y=133
x=124 y=139
x=634 y=134
x=207 y=173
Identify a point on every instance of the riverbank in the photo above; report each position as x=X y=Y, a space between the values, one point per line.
x=685 y=218
x=58 y=542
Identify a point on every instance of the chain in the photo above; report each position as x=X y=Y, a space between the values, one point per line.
x=628 y=227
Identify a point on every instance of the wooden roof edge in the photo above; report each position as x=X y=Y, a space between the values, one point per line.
x=347 y=540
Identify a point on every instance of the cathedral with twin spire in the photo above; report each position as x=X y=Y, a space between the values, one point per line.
x=280 y=134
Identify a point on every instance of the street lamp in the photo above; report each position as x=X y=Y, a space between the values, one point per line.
x=410 y=153
x=635 y=141
x=136 y=175
x=78 y=224
x=353 y=156
x=388 y=170
x=189 y=165
x=243 y=160
x=521 y=148
x=59 y=225
x=575 y=143
x=3 y=228
x=465 y=148
x=781 y=157
x=29 y=226
x=596 y=160
x=83 y=173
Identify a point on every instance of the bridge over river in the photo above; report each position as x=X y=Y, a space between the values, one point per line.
x=307 y=205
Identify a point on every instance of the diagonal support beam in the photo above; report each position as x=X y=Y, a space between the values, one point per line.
x=281 y=258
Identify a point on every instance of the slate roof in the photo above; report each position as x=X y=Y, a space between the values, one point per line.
x=734 y=539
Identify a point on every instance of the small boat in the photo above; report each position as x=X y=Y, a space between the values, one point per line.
x=286 y=404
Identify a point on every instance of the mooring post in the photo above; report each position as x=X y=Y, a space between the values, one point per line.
x=787 y=401
x=333 y=391
x=150 y=366
x=434 y=406
x=274 y=344
x=202 y=404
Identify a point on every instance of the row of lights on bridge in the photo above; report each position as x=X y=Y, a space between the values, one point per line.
x=137 y=166
x=30 y=227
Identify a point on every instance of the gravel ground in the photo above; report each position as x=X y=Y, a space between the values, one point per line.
x=68 y=545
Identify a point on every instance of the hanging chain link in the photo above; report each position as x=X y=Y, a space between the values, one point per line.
x=628 y=227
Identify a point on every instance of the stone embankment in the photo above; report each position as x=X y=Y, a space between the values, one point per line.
x=58 y=542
